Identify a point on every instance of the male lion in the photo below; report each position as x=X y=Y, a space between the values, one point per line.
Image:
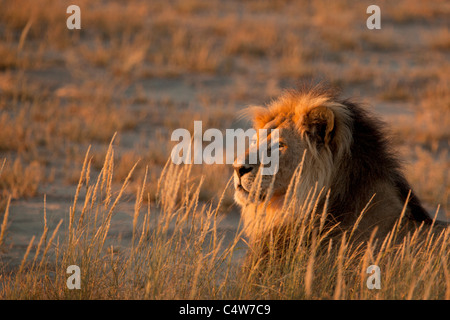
x=346 y=153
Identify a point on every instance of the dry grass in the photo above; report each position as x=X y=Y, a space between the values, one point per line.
x=440 y=40
x=409 y=12
x=18 y=180
x=434 y=111
x=432 y=184
x=178 y=251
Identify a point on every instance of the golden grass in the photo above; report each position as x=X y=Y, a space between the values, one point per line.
x=18 y=180
x=432 y=185
x=178 y=251
x=409 y=12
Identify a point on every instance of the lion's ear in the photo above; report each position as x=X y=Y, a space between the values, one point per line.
x=318 y=123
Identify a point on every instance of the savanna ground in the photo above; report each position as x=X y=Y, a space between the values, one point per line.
x=136 y=71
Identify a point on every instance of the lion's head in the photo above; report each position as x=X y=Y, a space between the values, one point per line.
x=311 y=122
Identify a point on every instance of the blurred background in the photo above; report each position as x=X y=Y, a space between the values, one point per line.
x=145 y=68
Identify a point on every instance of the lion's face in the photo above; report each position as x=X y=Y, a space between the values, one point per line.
x=302 y=125
x=290 y=147
x=314 y=130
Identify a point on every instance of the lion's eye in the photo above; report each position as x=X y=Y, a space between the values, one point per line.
x=279 y=145
x=253 y=142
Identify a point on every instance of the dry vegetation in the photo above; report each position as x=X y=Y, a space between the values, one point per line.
x=142 y=69
x=178 y=252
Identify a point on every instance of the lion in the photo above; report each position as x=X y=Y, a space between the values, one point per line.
x=343 y=149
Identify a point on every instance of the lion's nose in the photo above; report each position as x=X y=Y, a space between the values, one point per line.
x=242 y=169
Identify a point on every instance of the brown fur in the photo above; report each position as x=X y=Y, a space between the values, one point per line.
x=346 y=152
